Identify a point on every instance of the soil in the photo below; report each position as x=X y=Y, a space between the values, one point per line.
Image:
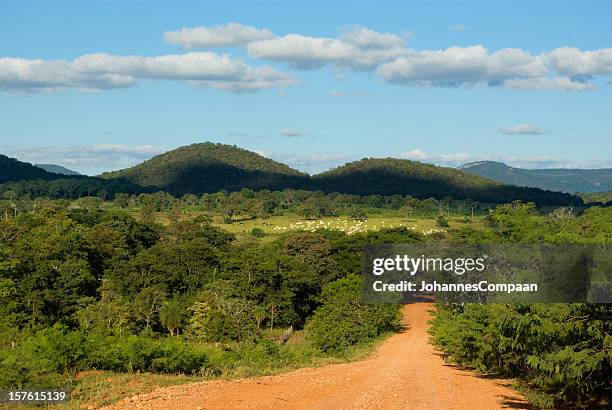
x=405 y=372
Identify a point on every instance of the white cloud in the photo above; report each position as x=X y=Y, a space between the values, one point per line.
x=224 y=35
x=357 y=48
x=567 y=69
x=574 y=62
x=546 y=83
x=523 y=129
x=364 y=37
x=416 y=154
x=287 y=132
x=457 y=66
x=101 y=71
x=23 y=76
x=456 y=27
x=89 y=159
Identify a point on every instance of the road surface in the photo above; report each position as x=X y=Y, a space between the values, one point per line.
x=405 y=372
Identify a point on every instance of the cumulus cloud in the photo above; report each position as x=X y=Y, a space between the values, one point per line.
x=24 y=76
x=102 y=71
x=357 y=47
x=354 y=48
x=89 y=159
x=461 y=65
x=223 y=35
x=573 y=62
x=287 y=132
x=546 y=83
x=523 y=129
x=364 y=37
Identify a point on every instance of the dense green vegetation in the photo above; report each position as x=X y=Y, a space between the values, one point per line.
x=85 y=285
x=13 y=170
x=96 y=289
x=560 y=179
x=210 y=167
x=597 y=198
x=21 y=179
x=561 y=352
x=391 y=176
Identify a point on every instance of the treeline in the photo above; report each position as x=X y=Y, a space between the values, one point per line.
x=249 y=204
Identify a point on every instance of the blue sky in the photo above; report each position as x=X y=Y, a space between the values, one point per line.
x=97 y=86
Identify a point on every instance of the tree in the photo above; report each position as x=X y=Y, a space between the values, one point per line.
x=172 y=314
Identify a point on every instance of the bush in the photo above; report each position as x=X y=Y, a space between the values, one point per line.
x=48 y=358
x=561 y=350
x=344 y=320
x=217 y=318
x=441 y=222
x=258 y=232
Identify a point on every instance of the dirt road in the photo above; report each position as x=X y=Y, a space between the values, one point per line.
x=405 y=372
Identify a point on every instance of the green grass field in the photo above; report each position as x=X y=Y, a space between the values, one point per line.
x=276 y=225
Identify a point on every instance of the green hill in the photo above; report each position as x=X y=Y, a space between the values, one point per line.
x=563 y=180
x=15 y=170
x=210 y=167
x=22 y=178
x=56 y=169
x=389 y=176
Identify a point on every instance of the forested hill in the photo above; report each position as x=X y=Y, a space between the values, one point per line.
x=211 y=167
x=14 y=170
x=563 y=180
x=24 y=179
x=389 y=176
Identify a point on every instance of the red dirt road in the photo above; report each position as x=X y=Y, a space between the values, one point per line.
x=405 y=372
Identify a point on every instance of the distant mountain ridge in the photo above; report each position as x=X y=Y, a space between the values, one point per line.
x=211 y=167
x=554 y=179
x=57 y=169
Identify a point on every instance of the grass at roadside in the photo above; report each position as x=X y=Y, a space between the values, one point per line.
x=95 y=389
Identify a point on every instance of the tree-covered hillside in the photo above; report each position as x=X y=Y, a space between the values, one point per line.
x=14 y=170
x=389 y=176
x=563 y=180
x=22 y=179
x=210 y=167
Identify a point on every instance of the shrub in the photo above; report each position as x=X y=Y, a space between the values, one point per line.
x=47 y=358
x=441 y=222
x=217 y=318
x=258 y=232
x=344 y=320
x=561 y=350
